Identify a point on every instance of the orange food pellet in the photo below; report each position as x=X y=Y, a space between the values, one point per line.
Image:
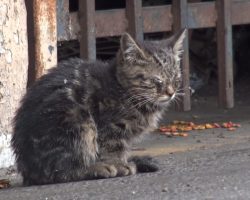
x=183 y=134
x=237 y=125
x=208 y=126
x=216 y=125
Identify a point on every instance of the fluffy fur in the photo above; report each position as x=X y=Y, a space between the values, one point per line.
x=78 y=121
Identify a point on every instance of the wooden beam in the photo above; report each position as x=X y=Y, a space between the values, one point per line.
x=240 y=12
x=225 y=53
x=87 y=24
x=117 y=20
x=158 y=19
x=134 y=17
x=180 y=21
x=201 y=15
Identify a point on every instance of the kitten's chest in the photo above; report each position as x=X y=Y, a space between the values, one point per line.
x=152 y=121
x=105 y=108
x=145 y=123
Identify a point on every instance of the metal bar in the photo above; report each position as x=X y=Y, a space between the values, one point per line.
x=180 y=21
x=201 y=15
x=225 y=53
x=117 y=20
x=159 y=19
x=87 y=24
x=63 y=18
x=42 y=34
x=240 y=12
x=134 y=17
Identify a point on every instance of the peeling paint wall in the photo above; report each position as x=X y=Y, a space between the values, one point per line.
x=13 y=69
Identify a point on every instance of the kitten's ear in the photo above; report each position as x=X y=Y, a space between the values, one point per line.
x=130 y=51
x=176 y=42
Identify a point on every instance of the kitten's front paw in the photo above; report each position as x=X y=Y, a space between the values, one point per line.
x=125 y=169
x=101 y=170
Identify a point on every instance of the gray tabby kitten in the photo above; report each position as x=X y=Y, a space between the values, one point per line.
x=78 y=121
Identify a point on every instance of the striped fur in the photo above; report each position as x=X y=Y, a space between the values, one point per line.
x=78 y=121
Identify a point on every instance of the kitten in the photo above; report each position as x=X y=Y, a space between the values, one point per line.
x=78 y=121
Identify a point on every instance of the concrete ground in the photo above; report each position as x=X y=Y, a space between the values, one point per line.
x=209 y=164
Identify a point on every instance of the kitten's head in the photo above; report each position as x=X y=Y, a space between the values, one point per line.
x=150 y=71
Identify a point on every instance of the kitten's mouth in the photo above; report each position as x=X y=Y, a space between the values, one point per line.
x=166 y=98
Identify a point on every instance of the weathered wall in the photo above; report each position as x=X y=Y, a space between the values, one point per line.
x=13 y=69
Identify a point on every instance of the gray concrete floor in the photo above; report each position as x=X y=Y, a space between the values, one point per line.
x=209 y=164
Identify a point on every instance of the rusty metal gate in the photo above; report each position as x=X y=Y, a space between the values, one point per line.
x=50 y=21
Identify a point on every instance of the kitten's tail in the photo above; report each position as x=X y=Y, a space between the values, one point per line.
x=144 y=164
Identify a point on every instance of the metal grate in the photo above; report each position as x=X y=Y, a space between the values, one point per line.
x=90 y=25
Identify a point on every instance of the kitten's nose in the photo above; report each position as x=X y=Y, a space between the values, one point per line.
x=170 y=90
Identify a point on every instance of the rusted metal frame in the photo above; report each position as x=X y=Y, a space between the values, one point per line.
x=180 y=21
x=225 y=53
x=117 y=20
x=134 y=17
x=200 y=15
x=240 y=12
x=87 y=32
x=42 y=37
x=157 y=19
x=63 y=17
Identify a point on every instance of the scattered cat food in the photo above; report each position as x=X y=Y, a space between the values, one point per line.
x=216 y=125
x=199 y=127
x=208 y=126
x=180 y=128
x=4 y=183
x=171 y=134
x=183 y=134
x=230 y=125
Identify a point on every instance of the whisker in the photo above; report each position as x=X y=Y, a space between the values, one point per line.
x=179 y=94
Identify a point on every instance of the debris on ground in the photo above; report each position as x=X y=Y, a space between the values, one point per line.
x=4 y=183
x=180 y=128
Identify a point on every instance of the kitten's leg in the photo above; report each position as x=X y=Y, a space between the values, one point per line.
x=72 y=171
x=70 y=154
x=98 y=170
x=110 y=162
x=110 y=168
x=123 y=168
x=92 y=167
x=115 y=153
x=86 y=147
x=144 y=164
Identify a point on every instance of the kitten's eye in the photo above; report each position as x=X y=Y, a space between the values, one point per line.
x=177 y=83
x=139 y=76
x=158 y=82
